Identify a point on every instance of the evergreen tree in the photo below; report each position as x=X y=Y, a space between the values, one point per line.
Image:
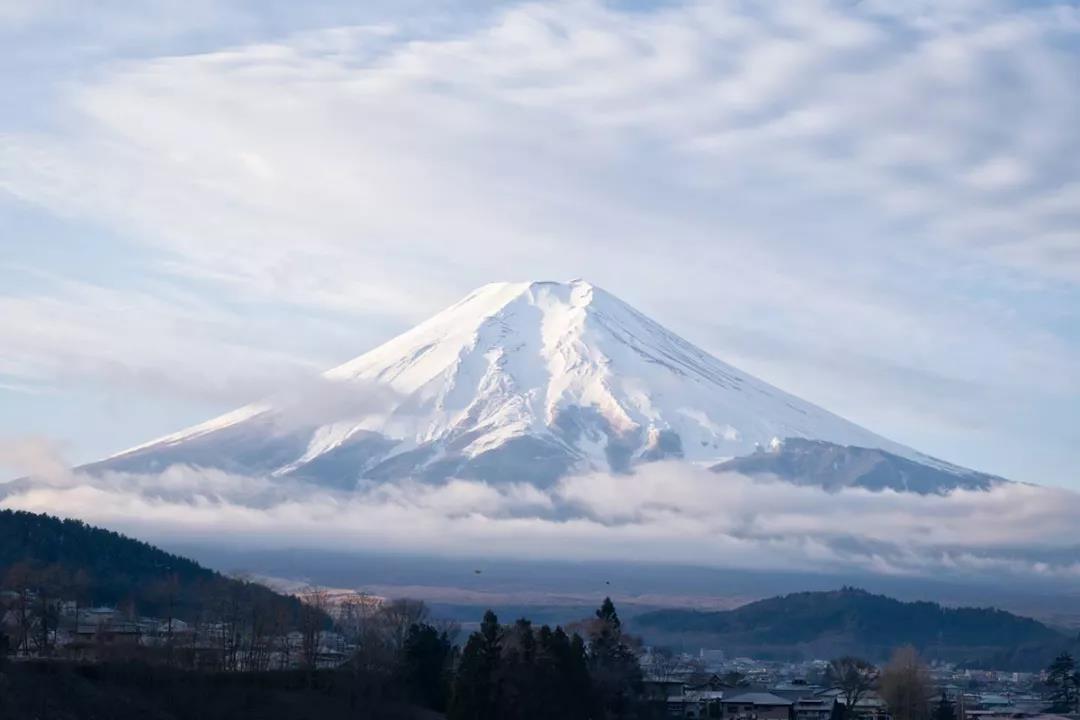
x=1063 y=678
x=476 y=687
x=550 y=686
x=562 y=685
x=576 y=676
x=427 y=657
x=944 y=710
x=614 y=668
x=518 y=680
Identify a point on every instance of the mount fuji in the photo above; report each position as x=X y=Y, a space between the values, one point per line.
x=530 y=382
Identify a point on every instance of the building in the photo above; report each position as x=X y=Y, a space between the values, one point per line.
x=813 y=708
x=869 y=707
x=757 y=706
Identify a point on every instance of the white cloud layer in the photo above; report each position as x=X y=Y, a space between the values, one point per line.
x=668 y=512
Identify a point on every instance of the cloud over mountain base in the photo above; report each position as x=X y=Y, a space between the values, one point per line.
x=666 y=512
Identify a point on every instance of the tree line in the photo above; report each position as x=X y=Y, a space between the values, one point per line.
x=511 y=672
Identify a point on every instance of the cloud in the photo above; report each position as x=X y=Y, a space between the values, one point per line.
x=666 y=512
x=36 y=457
x=159 y=341
x=353 y=144
x=889 y=185
x=314 y=401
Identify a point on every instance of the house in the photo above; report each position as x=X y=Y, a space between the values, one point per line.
x=690 y=697
x=868 y=707
x=694 y=704
x=814 y=708
x=660 y=689
x=757 y=706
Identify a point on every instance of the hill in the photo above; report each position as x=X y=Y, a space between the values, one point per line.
x=853 y=621
x=833 y=467
x=101 y=567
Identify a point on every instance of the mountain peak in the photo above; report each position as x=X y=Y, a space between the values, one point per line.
x=494 y=296
x=516 y=381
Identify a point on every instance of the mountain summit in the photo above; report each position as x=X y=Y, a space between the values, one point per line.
x=515 y=382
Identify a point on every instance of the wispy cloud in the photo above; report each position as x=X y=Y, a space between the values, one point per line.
x=890 y=185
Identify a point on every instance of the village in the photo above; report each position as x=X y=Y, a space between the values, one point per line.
x=695 y=686
x=707 y=685
x=35 y=627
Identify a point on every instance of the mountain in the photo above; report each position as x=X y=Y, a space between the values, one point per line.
x=106 y=568
x=516 y=382
x=830 y=466
x=854 y=622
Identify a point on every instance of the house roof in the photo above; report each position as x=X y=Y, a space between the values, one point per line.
x=758 y=698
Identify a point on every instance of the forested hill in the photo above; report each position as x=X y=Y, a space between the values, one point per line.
x=95 y=566
x=852 y=621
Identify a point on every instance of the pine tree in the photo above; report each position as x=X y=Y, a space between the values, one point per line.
x=1065 y=681
x=550 y=685
x=576 y=673
x=427 y=657
x=562 y=685
x=476 y=687
x=615 y=672
x=518 y=686
x=944 y=710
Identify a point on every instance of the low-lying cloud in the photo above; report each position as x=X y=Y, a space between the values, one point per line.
x=668 y=512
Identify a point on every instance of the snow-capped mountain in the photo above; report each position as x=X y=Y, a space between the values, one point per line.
x=516 y=382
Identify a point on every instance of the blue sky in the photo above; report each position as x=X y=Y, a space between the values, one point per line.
x=873 y=205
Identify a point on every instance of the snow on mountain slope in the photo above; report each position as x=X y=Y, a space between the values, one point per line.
x=517 y=381
x=833 y=467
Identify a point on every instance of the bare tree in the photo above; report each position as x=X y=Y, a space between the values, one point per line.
x=446 y=626
x=905 y=685
x=664 y=664
x=398 y=615
x=167 y=591
x=280 y=623
x=80 y=592
x=260 y=634
x=47 y=582
x=315 y=604
x=355 y=612
x=19 y=578
x=853 y=677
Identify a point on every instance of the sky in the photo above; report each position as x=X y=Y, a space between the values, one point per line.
x=872 y=205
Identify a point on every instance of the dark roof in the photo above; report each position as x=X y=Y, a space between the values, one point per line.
x=758 y=698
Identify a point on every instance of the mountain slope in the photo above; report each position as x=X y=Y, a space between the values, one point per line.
x=852 y=621
x=516 y=382
x=107 y=568
x=833 y=467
